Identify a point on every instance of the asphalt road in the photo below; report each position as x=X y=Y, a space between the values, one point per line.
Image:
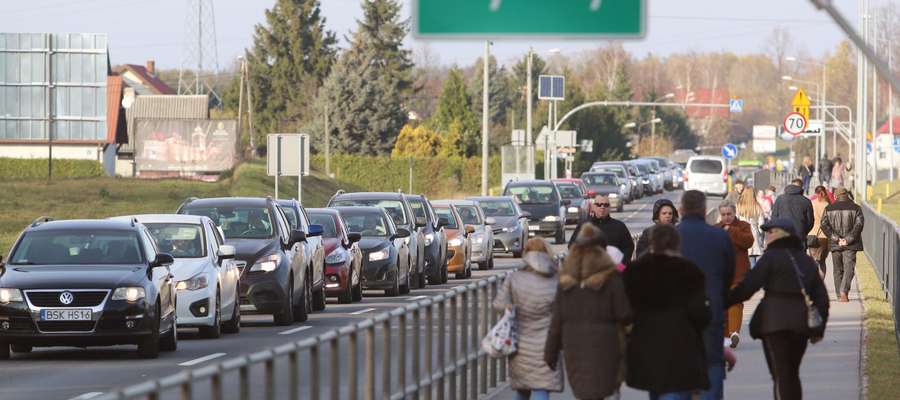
x=73 y=373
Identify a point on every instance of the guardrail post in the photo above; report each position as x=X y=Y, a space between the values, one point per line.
x=215 y=384
x=442 y=346
x=429 y=347
x=352 y=366
x=493 y=321
x=472 y=354
x=417 y=353
x=485 y=316
x=454 y=346
x=401 y=343
x=293 y=374
x=270 y=378
x=187 y=390
x=314 y=388
x=370 y=362
x=464 y=348
x=245 y=381
x=335 y=368
x=386 y=360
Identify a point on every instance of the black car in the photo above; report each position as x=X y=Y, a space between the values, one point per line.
x=385 y=252
x=542 y=200
x=274 y=268
x=313 y=249
x=401 y=212
x=87 y=283
x=435 y=239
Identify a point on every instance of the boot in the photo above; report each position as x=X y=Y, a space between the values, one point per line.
x=844 y=298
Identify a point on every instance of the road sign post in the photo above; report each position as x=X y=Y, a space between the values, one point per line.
x=288 y=155
x=729 y=151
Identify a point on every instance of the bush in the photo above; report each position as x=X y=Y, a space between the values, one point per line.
x=36 y=168
x=435 y=177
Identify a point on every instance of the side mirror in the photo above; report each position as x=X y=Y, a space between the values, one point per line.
x=162 y=260
x=566 y=202
x=442 y=222
x=401 y=233
x=226 y=252
x=490 y=221
x=297 y=236
x=470 y=229
x=354 y=237
x=421 y=222
x=315 y=230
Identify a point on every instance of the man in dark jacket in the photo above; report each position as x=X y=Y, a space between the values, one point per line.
x=617 y=234
x=794 y=206
x=843 y=224
x=710 y=249
x=825 y=171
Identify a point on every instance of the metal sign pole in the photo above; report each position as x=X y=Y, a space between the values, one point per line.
x=300 y=169
x=277 y=163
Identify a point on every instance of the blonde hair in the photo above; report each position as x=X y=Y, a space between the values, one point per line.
x=748 y=207
x=539 y=245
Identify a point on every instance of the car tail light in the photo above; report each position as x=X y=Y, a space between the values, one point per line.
x=724 y=177
x=592 y=193
x=685 y=176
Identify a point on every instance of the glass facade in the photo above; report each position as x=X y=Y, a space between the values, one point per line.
x=78 y=69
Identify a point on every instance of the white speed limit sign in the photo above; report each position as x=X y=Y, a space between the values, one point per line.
x=795 y=123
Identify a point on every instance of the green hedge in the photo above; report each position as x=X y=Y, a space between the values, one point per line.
x=434 y=177
x=36 y=168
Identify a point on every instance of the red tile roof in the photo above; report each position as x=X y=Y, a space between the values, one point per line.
x=149 y=79
x=886 y=127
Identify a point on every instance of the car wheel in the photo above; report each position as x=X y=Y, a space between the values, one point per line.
x=149 y=346
x=346 y=296
x=561 y=236
x=421 y=280
x=517 y=254
x=404 y=288
x=319 y=299
x=395 y=289
x=491 y=262
x=444 y=273
x=169 y=341
x=4 y=350
x=357 y=290
x=234 y=324
x=214 y=331
x=20 y=348
x=288 y=310
x=469 y=271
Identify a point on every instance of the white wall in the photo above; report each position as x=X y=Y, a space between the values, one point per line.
x=75 y=152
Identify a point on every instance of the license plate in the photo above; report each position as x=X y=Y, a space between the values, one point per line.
x=534 y=227
x=66 y=315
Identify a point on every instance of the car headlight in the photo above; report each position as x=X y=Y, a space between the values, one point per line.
x=429 y=238
x=129 y=294
x=338 y=256
x=267 y=264
x=573 y=209
x=196 y=283
x=613 y=195
x=646 y=181
x=379 y=255
x=10 y=296
x=551 y=218
x=622 y=186
x=455 y=242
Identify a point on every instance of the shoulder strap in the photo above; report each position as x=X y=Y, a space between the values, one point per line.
x=798 y=274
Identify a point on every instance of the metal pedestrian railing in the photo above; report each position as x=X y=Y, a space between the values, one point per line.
x=881 y=243
x=428 y=349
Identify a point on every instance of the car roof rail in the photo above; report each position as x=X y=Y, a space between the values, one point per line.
x=187 y=201
x=41 y=220
x=134 y=221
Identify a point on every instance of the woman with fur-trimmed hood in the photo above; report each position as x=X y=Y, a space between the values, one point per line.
x=589 y=316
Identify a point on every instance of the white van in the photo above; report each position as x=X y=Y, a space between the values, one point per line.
x=707 y=174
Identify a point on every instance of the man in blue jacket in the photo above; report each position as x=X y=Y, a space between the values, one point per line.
x=710 y=248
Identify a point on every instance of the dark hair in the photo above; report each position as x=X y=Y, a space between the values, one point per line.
x=664 y=238
x=693 y=202
x=822 y=193
x=739 y=182
x=797 y=182
x=838 y=160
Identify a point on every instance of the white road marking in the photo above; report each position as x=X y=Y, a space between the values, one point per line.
x=637 y=211
x=86 y=396
x=362 y=311
x=418 y=298
x=295 y=330
x=203 y=359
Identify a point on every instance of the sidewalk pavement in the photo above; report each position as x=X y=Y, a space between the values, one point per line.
x=831 y=368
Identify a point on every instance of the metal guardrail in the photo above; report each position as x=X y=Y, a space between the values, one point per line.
x=764 y=178
x=449 y=364
x=881 y=243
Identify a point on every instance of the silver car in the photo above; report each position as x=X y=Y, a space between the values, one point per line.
x=483 y=237
x=511 y=223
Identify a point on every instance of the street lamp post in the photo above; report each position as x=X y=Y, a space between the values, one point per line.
x=823 y=98
x=819 y=113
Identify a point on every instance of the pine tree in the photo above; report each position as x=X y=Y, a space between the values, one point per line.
x=290 y=58
x=501 y=91
x=455 y=107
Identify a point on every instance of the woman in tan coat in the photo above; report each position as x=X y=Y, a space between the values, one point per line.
x=820 y=253
x=532 y=290
x=589 y=316
x=741 y=235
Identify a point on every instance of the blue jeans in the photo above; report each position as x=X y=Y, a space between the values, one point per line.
x=712 y=340
x=532 y=394
x=671 y=396
x=716 y=383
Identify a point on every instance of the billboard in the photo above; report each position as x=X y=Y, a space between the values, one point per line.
x=200 y=145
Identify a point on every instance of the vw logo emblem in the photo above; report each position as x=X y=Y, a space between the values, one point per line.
x=66 y=298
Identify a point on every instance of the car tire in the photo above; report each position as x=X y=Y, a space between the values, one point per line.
x=169 y=341
x=346 y=296
x=20 y=348
x=491 y=262
x=214 y=331
x=517 y=254
x=357 y=290
x=561 y=236
x=4 y=351
x=149 y=345
x=288 y=312
x=469 y=271
x=318 y=300
x=394 y=291
x=234 y=324
x=404 y=287
x=421 y=280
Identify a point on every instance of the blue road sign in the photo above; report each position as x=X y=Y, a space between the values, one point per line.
x=736 y=105
x=897 y=144
x=729 y=151
x=868 y=147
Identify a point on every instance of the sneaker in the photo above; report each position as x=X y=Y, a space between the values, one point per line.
x=735 y=340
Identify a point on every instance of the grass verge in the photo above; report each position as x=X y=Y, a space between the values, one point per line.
x=882 y=357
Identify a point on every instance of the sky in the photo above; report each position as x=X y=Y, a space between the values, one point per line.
x=155 y=29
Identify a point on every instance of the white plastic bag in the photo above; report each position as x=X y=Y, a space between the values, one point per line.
x=502 y=340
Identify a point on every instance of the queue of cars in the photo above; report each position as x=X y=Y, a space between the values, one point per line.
x=137 y=279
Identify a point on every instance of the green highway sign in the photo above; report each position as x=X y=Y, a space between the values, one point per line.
x=492 y=19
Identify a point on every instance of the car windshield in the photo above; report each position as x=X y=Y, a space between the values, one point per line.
x=329 y=230
x=78 y=247
x=444 y=212
x=706 y=166
x=643 y=168
x=569 y=191
x=600 y=180
x=418 y=208
x=292 y=218
x=179 y=240
x=469 y=215
x=394 y=208
x=620 y=172
x=537 y=194
x=497 y=208
x=366 y=224
x=239 y=222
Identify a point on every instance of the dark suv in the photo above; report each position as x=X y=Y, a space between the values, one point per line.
x=401 y=212
x=542 y=200
x=274 y=267
x=87 y=283
x=435 y=239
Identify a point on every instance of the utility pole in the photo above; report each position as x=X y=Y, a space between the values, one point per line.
x=240 y=117
x=250 y=111
x=860 y=148
x=528 y=101
x=485 y=120
x=891 y=108
x=328 y=145
x=653 y=131
x=875 y=104
x=49 y=106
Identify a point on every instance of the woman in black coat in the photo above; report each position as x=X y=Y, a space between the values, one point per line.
x=667 y=294
x=664 y=212
x=780 y=319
